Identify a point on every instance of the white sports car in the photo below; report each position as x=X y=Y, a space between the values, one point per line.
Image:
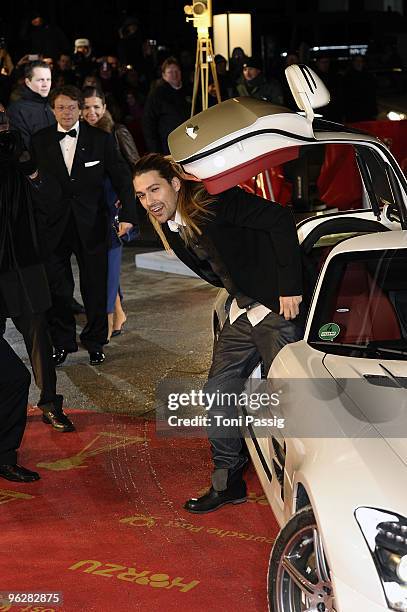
x=335 y=475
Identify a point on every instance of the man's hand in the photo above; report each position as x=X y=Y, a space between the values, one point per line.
x=28 y=165
x=124 y=228
x=289 y=306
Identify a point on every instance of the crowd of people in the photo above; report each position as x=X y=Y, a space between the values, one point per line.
x=150 y=91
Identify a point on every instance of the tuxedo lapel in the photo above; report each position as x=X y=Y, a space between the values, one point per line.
x=55 y=155
x=202 y=268
x=78 y=160
x=178 y=246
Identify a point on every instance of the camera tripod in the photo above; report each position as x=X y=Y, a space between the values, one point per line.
x=204 y=61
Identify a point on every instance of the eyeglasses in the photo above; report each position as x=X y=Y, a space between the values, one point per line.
x=69 y=108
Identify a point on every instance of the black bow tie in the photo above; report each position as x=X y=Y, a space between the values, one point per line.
x=71 y=133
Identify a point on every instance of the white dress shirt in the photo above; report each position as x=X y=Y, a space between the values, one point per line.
x=68 y=146
x=255 y=315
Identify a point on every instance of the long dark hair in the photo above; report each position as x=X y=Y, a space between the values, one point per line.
x=93 y=92
x=193 y=199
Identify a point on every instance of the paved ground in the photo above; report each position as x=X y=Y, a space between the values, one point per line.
x=167 y=335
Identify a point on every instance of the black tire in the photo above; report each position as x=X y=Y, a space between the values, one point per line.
x=278 y=581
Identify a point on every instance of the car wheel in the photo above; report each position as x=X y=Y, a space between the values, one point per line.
x=298 y=575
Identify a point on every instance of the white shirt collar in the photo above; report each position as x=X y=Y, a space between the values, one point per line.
x=74 y=127
x=174 y=224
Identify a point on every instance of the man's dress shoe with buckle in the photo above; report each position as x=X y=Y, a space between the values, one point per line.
x=17 y=473
x=96 y=357
x=58 y=419
x=236 y=493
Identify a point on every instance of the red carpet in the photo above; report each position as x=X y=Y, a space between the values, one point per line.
x=105 y=526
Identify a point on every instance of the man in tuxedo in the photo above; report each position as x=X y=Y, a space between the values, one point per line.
x=249 y=246
x=79 y=158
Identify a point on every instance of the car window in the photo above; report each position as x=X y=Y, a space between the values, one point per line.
x=314 y=181
x=378 y=174
x=362 y=306
x=324 y=178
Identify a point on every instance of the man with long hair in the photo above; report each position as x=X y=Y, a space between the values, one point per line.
x=249 y=246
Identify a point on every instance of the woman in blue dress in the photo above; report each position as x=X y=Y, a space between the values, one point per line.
x=94 y=112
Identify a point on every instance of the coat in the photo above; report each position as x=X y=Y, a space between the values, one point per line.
x=23 y=283
x=256 y=241
x=126 y=144
x=165 y=109
x=261 y=89
x=30 y=114
x=81 y=194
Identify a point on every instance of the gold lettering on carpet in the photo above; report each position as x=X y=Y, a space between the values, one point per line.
x=144 y=577
x=255 y=498
x=104 y=442
x=7 y=496
x=142 y=520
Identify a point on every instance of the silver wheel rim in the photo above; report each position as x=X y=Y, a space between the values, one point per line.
x=303 y=582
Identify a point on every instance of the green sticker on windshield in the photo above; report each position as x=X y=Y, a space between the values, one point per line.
x=329 y=331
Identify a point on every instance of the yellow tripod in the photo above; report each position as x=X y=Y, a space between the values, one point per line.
x=204 y=60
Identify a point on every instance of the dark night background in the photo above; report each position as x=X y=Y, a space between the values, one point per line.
x=286 y=22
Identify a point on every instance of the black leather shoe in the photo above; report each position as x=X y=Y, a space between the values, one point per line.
x=17 y=473
x=59 y=356
x=58 y=419
x=211 y=501
x=96 y=358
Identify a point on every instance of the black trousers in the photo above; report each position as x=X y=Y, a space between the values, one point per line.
x=93 y=284
x=238 y=350
x=35 y=331
x=14 y=386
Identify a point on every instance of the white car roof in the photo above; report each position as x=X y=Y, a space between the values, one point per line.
x=371 y=242
x=325 y=137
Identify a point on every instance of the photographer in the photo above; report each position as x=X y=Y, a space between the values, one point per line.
x=84 y=63
x=24 y=292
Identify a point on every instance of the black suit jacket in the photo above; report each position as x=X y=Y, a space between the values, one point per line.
x=257 y=242
x=82 y=192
